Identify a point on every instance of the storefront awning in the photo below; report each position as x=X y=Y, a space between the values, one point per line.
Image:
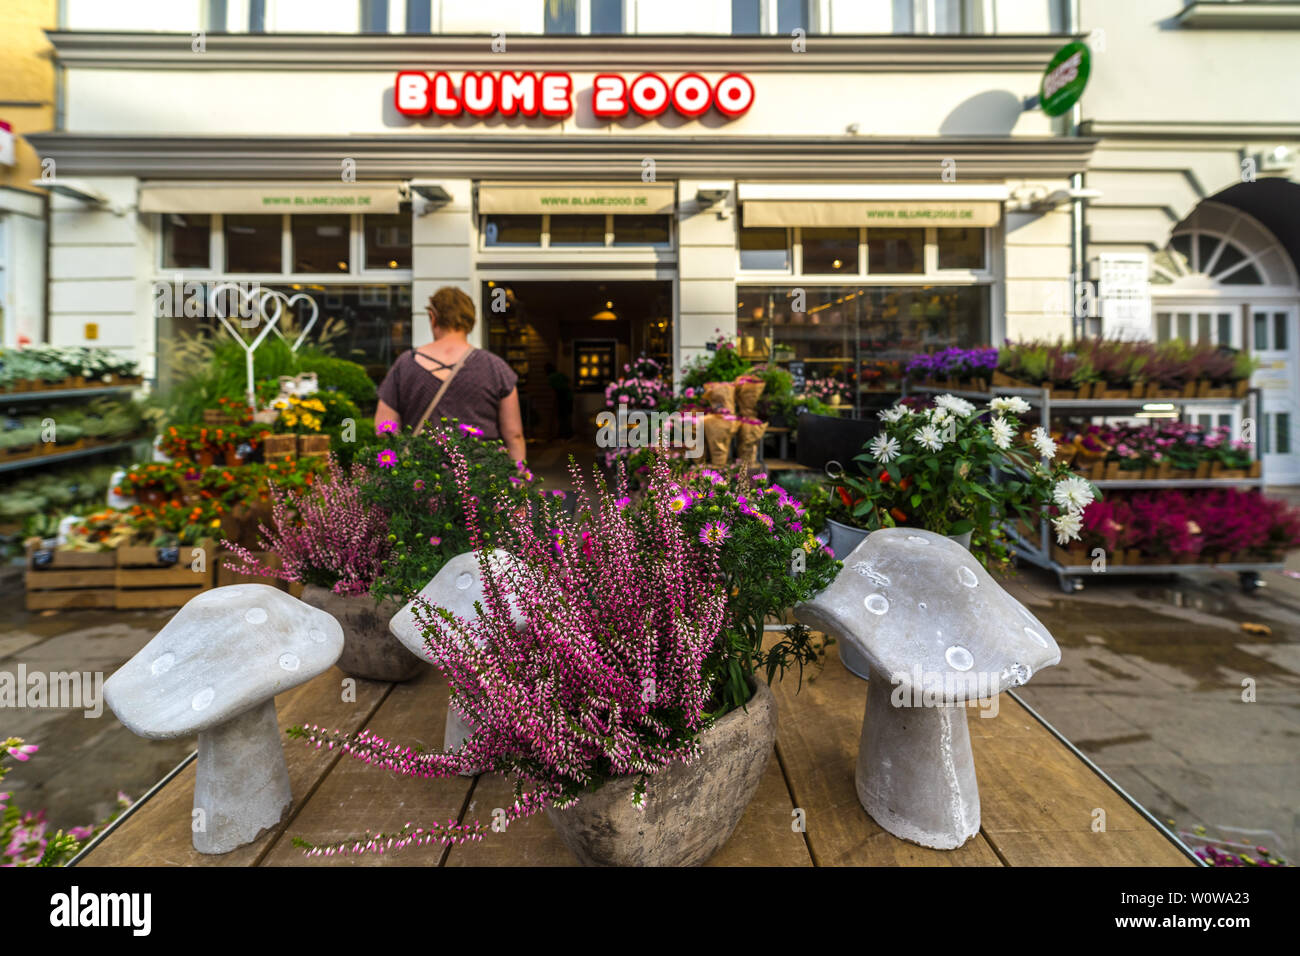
x=872 y=204
x=535 y=198
x=270 y=198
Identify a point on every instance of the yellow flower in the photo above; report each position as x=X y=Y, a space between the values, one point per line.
x=314 y=404
x=215 y=523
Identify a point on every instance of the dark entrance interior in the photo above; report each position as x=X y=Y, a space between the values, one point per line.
x=567 y=341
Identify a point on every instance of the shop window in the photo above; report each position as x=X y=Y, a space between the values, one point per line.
x=640 y=231
x=606 y=16
x=387 y=242
x=186 y=241
x=960 y=248
x=512 y=230
x=419 y=17
x=374 y=16
x=253 y=243
x=895 y=251
x=829 y=251
x=320 y=243
x=577 y=230
x=767 y=249
x=561 y=16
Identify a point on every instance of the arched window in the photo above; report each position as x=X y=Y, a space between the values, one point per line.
x=1218 y=245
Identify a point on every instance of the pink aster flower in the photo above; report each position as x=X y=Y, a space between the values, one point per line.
x=623 y=502
x=387 y=427
x=680 y=503
x=418 y=484
x=435 y=540
x=471 y=430
x=714 y=533
x=386 y=458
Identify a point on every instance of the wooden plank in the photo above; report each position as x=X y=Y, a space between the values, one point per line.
x=355 y=798
x=817 y=741
x=180 y=575
x=1037 y=801
x=74 y=578
x=78 y=559
x=60 y=600
x=158 y=834
x=127 y=599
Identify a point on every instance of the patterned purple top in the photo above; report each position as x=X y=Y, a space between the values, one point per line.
x=473 y=398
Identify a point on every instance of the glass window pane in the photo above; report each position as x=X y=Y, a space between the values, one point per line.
x=640 y=230
x=1228 y=258
x=512 y=230
x=1205 y=246
x=1279 y=331
x=895 y=251
x=764 y=249
x=216 y=16
x=745 y=18
x=1246 y=275
x=577 y=230
x=960 y=248
x=1185 y=326
x=1260 y=341
x=828 y=251
x=387 y=242
x=1283 y=433
x=1202 y=327
x=1225 y=328
x=791 y=15
x=1182 y=246
x=1162 y=327
x=320 y=243
x=1205 y=421
x=374 y=16
x=256 y=16
x=561 y=16
x=419 y=18
x=253 y=243
x=904 y=20
x=185 y=240
x=606 y=16
x=1266 y=443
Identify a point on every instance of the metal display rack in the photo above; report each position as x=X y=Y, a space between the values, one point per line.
x=1070 y=576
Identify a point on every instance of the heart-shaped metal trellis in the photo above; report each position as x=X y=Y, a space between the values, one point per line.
x=248 y=347
x=288 y=301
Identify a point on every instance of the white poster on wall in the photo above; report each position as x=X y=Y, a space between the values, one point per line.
x=7 y=156
x=1124 y=295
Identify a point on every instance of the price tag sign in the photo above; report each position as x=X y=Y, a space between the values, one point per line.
x=798 y=376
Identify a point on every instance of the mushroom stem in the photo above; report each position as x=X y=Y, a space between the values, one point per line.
x=242 y=782
x=916 y=773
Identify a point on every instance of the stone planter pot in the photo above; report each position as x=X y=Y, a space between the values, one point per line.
x=691 y=809
x=844 y=537
x=369 y=649
x=852 y=659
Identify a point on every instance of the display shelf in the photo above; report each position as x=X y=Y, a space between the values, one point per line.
x=60 y=393
x=34 y=460
x=1071 y=577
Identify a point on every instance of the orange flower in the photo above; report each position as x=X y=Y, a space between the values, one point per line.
x=898 y=513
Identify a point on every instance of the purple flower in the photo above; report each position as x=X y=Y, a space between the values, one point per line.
x=471 y=430
x=680 y=503
x=435 y=540
x=386 y=458
x=387 y=427
x=622 y=502
x=714 y=533
x=418 y=484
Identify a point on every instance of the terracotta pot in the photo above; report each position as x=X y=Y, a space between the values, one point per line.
x=231 y=455
x=152 y=497
x=691 y=809
x=206 y=458
x=369 y=649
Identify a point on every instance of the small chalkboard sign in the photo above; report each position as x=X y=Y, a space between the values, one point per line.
x=798 y=376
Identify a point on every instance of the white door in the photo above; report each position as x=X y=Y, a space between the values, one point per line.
x=1276 y=345
x=1218 y=324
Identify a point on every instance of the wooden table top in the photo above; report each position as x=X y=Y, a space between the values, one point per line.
x=1038 y=799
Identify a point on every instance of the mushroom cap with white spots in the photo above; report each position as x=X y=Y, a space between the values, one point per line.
x=456 y=587
x=226 y=651
x=927 y=616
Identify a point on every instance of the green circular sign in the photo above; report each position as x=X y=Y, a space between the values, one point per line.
x=1064 y=79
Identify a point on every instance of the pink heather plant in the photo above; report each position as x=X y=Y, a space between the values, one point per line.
x=604 y=680
x=324 y=536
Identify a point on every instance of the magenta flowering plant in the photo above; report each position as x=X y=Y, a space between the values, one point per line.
x=770 y=561
x=586 y=661
x=324 y=535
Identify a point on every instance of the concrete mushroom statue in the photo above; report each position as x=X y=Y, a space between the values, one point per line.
x=214 y=670
x=457 y=586
x=937 y=632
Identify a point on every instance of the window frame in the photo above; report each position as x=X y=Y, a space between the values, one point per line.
x=582 y=26
x=930 y=270
x=544 y=244
x=769 y=19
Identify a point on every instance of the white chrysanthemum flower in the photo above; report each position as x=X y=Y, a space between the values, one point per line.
x=884 y=449
x=1003 y=433
x=928 y=437
x=954 y=404
x=1068 y=527
x=937 y=416
x=1073 y=493
x=1013 y=404
x=1043 y=442
x=891 y=415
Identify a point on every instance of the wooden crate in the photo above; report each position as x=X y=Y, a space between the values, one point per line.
x=70 y=579
x=146 y=579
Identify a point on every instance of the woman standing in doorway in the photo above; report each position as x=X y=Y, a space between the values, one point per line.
x=450 y=378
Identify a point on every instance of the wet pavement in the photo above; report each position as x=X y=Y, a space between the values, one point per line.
x=1150 y=687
